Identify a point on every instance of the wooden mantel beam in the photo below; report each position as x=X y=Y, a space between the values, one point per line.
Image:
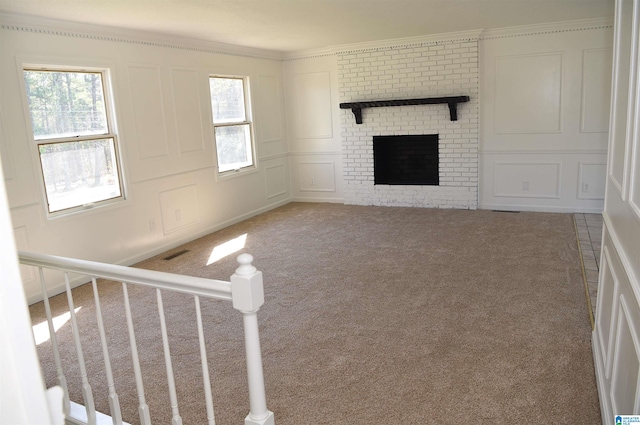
x=452 y=101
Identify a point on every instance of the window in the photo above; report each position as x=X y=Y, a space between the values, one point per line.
x=77 y=148
x=231 y=122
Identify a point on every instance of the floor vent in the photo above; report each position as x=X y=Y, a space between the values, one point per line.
x=505 y=211
x=177 y=254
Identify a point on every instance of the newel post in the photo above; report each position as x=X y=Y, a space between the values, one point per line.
x=247 y=294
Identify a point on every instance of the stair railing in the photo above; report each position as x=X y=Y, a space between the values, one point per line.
x=245 y=291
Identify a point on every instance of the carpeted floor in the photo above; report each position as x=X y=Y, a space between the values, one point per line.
x=372 y=315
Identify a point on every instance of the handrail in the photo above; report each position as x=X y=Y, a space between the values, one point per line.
x=186 y=284
x=245 y=291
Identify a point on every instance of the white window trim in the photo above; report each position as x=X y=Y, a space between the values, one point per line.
x=248 y=121
x=22 y=65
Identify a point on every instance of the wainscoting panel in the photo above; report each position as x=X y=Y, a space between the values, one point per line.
x=270 y=103
x=276 y=180
x=528 y=94
x=559 y=181
x=527 y=180
x=5 y=154
x=179 y=208
x=313 y=107
x=146 y=95
x=626 y=362
x=607 y=292
x=591 y=180
x=317 y=176
x=596 y=90
x=188 y=109
x=22 y=244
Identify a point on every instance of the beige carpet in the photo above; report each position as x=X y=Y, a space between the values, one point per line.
x=373 y=315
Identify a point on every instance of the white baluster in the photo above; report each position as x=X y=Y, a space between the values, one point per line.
x=62 y=381
x=248 y=295
x=114 y=404
x=143 y=408
x=175 y=419
x=87 y=394
x=205 y=366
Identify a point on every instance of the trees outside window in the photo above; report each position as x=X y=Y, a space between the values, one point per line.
x=232 y=123
x=70 y=120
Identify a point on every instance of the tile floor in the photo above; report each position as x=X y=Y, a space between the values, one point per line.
x=590 y=236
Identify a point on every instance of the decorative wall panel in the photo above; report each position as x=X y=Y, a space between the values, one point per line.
x=317 y=176
x=591 y=180
x=22 y=244
x=146 y=95
x=528 y=94
x=596 y=90
x=5 y=154
x=270 y=102
x=179 y=208
x=313 y=105
x=188 y=109
x=276 y=180
x=626 y=364
x=527 y=180
x=606 y=294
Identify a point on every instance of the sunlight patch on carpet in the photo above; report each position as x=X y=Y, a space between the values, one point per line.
x=41 y=330
x=227 y=248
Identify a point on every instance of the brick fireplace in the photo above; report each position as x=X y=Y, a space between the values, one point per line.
x=406 y=71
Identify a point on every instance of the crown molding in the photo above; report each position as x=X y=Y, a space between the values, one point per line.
x=309 y=54
x=396 y=43
x=444 y=38
x=548 y=28
x=29 y=24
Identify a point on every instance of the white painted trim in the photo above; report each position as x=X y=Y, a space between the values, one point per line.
x=396 y=43
x=539 y=208
x=544 y=152
x=444 y=38
x=318 y=200
x=266 y=182
x=634 y=281
x=579 y=193
x=275 y=156
x=606 y=352
x=293 y=154
x=520 y=195
x=548 y=28
x=624 y=309
x=59 y=287
x=605 y=408
x=61 y=28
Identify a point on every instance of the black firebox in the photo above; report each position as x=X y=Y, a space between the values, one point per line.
x=406 y=160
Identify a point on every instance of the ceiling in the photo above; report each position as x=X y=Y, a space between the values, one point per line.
x=294 y=25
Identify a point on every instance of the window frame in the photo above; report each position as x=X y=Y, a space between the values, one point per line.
x=248 y=121
x=112 y=133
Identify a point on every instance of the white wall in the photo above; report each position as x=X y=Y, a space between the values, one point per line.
x=543 y=104
x=545 y=94
x=313 y=127
x=168 y=162
x=616 y=337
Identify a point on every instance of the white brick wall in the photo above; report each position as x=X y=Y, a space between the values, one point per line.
x=442 y=68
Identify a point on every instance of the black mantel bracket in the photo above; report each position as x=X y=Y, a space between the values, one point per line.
x=452 y=101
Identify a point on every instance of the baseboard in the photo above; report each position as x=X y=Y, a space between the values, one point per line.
x=318 y=200
x=539 y=208
x=57 y=288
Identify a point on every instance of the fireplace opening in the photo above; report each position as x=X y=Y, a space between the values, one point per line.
x=406 y=160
